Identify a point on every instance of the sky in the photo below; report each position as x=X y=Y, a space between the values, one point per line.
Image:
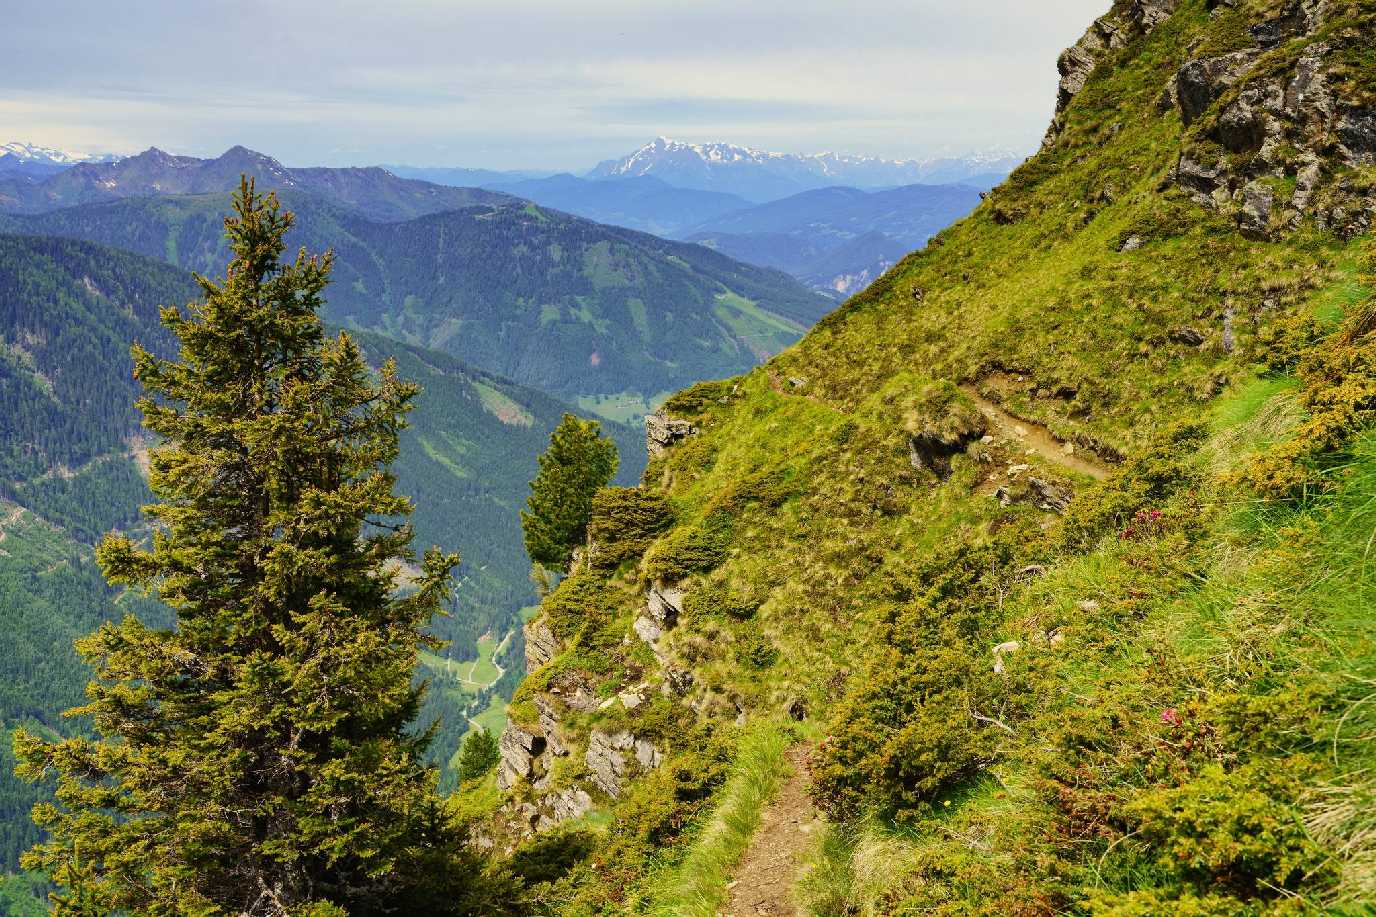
x=531 y=84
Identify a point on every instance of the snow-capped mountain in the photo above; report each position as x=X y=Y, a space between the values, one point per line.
x=761 y=175
x=29 y=152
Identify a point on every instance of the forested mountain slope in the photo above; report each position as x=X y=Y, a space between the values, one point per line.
x=70 y=471
x=1051 y=547
x=552 y=301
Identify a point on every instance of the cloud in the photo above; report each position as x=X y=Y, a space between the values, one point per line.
x=531 y=83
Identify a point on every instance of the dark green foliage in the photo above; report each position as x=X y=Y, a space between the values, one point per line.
x=261 y=751
x=716 y=599
x=577 y=463
x=624 y=522
x=479 y=754
x=1167 y=465
x=689 y=550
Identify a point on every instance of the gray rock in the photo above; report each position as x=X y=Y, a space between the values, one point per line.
x=1200 y=181
x=1049 y=497
x=664 y=604
x=1190 y=337
x=1254 y=218
x=1200 y=82
x=563 y=806
x=1357 y=131
x=663 y=431
x=606 y=759
x=648 y=630
x=541 y=645
x=1229 y=339
x=549 y=725
x=520 y=749
x=677 y=681
x=1131 y=244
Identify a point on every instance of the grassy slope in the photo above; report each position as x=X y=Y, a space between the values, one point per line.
x=1185 y=725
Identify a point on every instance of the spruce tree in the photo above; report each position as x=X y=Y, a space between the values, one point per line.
x=259 y=758
x=480 y=754
x=578 y=462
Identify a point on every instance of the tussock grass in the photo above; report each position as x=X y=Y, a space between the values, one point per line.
x=697 y=886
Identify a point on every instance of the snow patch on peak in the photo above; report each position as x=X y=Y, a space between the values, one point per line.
x=30 y=152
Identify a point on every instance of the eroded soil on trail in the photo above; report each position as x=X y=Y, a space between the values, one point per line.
x=764 y=880
x=1033 y=438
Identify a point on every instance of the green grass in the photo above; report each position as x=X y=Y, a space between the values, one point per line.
x=697 y=886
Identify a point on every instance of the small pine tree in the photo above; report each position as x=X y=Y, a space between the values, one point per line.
x=259 y=758
x=578 y=462
x=479 y=755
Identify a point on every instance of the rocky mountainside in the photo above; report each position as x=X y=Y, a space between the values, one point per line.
x=1048 y=549
x=371 y=192
x=760 y=176
x=549 y=300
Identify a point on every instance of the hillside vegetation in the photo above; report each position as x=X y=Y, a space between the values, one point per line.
x=1052 y=546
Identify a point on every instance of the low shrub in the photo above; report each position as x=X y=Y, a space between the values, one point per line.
x=625 y=520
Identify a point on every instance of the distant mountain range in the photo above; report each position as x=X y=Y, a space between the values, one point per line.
x=465 y=178
x=572 y=307
x=372 y=191
x=835 y=239
x=761 y=176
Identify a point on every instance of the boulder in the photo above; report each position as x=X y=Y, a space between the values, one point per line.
x=549 y=725
x=1049 y=497
x=664 y=604
x=1200 y=82
x=1254 y=219
x=563 y=806
x=663 y=431
x=648 y=630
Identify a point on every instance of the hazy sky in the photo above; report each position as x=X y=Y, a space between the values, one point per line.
x=530 y=83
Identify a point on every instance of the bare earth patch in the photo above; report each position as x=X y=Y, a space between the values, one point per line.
x=763 y=886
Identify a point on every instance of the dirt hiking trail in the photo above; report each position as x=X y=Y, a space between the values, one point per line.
x=1037 y=439
x=764 y=880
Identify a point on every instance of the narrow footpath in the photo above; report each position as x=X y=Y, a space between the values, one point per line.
x=764 y=880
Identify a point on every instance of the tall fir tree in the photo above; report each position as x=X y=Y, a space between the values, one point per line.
x=577 y=463
x=258 y=759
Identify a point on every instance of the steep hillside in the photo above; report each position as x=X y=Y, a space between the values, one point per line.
x=552 y=301
x=1048 y=550
x=70 y=454
x=373 y=192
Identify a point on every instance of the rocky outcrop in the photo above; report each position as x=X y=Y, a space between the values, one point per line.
x=614 y=756
x=1262 y=129
x=541 y=644
x=663 y=431
x=520 y=751
x=1125 y=22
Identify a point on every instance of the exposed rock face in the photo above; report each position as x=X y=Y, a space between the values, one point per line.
x=520 y=751
x=1121 y=25
x=1254 y=125
x=541 y=644
x=663 y=431
x=612 y=756
x=573 y=802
